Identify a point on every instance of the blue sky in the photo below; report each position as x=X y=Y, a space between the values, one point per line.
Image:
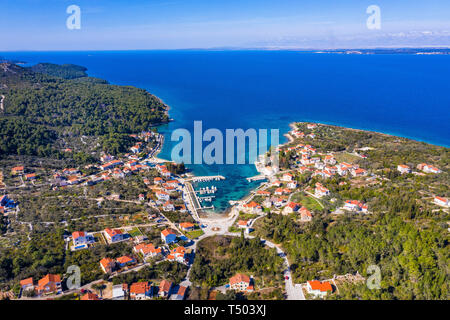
x=172 y=24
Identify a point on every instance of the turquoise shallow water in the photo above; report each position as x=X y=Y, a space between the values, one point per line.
x=405 y=95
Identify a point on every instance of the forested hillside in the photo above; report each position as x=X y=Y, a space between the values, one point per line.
x=39 y=107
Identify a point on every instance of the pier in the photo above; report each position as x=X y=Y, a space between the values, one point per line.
x=206 y=178
x=256 y=178
x=207 y=199
x=206 y=190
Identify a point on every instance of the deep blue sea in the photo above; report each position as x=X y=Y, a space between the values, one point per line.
x=404 y=95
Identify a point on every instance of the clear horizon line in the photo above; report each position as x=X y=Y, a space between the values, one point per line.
x=233 y=48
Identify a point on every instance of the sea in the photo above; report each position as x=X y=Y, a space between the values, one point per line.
x=400 y=94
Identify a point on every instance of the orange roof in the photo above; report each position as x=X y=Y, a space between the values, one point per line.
x=140 y=287
x=181 y=290
x=441 y=199
x=20 y=168
x=165 y=286
x=78 y=234
x=106 y=261
x=252 y=204
x=124 y=259
x=90 y=296
x=304 y=210
x=242 y=222
x=48 y=279
x=27 y=281
x=321 y=286
x=292 y=205
x=240 y=277
x=112 y=232
x=186 y=225
x=166 y=232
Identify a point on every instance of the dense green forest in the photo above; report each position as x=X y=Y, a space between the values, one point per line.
x=414 y=260
x=219 y=258
x=39 y=107
x=66 y=71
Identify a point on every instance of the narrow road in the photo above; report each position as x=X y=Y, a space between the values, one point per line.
x=1 y=103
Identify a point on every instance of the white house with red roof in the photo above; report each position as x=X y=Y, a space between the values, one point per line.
x=107 y=265
x=403 y=169
x=114 y=235
x=305 y=214
x=178 y=254
x=287 y=177
x=290 y=208
x=243 y=224
x=164 y=288
x=187 y=226
x=161 y=195
x=355 y=205
x=358 y=172
x=252 y=207
x=318 y=288
x=168 y=236
x=168 y=206
x=141 y=291
x=51 y=283
x=329 y=159
x=27 y=284
x=241 y=282
x=148 y=250
x=80 y=238
x=321 y=191
x=440 y=201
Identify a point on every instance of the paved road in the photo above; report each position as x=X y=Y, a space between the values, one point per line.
x=219 y=226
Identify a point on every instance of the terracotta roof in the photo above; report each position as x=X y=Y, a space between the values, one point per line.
x=181 y=290
x=240 y=277
x=106 y=261
x=27 y=281
x=242 y=222
x=186 y=225
x=78 y=234
x=113 y=232
x=166 y=232
x=140 y=287
x=165 y=286
x=124 y=259
x=321 y=286
x=252 y=204
x=90 y=296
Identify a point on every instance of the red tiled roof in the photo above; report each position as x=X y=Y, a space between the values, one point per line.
x=165 y=285
x=78 y=234
x=240 y=277
x=27 y=281
x=124 y=259
x=186 y=225
x=166 y=232
x=113 y=232
x=48 y=279
x=321 y=286
x=90 y=296
x=139 y=287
